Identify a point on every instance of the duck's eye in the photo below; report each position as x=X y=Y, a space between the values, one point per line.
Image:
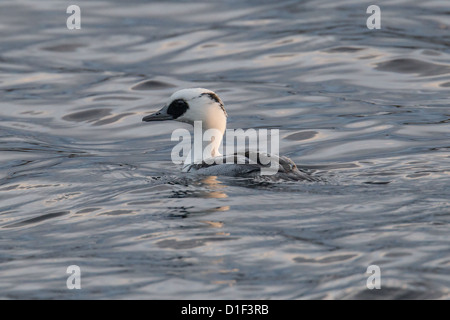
x=177 y=108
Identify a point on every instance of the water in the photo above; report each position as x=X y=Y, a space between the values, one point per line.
x=84 y=182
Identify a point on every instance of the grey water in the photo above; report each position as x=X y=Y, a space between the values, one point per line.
x=84 y=182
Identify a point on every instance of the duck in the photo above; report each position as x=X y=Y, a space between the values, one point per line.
x=200 y=105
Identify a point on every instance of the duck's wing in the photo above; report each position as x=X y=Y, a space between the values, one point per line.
x=249 y=164
x=230 y=169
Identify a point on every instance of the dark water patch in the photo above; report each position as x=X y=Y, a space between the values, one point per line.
x=397 y=254
x=344 y=49
x=87 y=115
x=9 y=188
x=377 y=182
x=117 y=213
x=152 y=85
x=67 y=47
x=303 y=135
x=413 y=66
x=37 y=219
x=431 y=53
x=87 y=210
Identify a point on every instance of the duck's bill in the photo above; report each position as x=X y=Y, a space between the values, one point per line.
x=161 y=115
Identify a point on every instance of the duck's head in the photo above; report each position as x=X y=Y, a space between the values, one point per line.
x=195 y=104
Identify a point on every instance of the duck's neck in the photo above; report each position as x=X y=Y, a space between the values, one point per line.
x=205 y=144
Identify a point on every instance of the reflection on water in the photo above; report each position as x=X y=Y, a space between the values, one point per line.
x=83 y=182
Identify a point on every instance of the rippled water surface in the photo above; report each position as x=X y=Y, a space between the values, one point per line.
x=84 y=182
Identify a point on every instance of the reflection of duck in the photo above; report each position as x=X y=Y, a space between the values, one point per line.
x=207 y=187
x=198 y=104
x=215 y=188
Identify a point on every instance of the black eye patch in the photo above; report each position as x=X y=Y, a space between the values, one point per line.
x=177 y=108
